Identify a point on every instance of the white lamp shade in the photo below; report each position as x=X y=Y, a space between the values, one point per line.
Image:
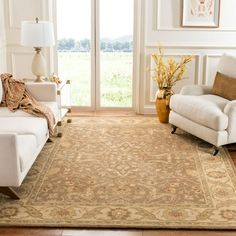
x=37 y=34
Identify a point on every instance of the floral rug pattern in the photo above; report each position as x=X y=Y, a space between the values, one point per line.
x=125 y=172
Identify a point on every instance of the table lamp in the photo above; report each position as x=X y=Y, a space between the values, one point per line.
x=37 y=34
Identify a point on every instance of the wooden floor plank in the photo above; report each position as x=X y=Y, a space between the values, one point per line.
x=123 y=233
x=102 y=232
x=30 y=231
x=74 y=232
x=188 y=233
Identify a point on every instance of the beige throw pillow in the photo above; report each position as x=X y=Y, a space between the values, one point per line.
x=224 y=86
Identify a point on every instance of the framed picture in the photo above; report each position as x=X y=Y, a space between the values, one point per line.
x=201 y=13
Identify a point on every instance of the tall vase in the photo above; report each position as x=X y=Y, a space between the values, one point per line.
x=162 y=104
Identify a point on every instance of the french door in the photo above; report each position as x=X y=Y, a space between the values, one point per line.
x=95 y=51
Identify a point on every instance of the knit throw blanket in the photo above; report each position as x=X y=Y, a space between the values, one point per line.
x=16 y=96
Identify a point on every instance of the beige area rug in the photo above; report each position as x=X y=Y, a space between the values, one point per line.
x=125 y=172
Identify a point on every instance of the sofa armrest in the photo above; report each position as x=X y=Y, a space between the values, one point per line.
x=230 y=111
x=196 y=90
x=44 y=92
x=9 y=160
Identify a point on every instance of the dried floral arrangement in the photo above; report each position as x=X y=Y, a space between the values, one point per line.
x=167 y=73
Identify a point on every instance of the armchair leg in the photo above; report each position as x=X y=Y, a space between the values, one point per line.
x=9 y=192
x=216 y=150
x=49 y=140
x=174 y=129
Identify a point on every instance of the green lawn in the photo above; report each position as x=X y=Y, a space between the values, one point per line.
x=115 y=76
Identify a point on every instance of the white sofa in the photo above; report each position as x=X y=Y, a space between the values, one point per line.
x=22 y=137
x=207 y=116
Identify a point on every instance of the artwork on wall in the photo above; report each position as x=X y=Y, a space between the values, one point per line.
x=201 y=13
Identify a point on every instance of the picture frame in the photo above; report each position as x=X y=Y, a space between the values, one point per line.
x=201 y=13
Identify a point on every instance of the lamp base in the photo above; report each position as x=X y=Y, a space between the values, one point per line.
x=38 y=65
x=38 y=79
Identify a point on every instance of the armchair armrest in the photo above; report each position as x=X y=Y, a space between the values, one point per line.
x=196 y=90
x=230 y=111
x=230 y=108
x=45 y=92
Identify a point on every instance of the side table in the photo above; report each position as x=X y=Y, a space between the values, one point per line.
x=64 y=103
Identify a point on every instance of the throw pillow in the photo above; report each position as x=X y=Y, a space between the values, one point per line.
x=224 y=86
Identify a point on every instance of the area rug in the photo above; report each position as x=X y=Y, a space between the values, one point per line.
x=126 y=172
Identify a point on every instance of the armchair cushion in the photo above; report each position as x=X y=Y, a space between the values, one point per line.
x=196 y=90
x=224 y=86
x=207 y=110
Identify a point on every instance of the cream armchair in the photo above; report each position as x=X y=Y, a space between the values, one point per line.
x=207 y=116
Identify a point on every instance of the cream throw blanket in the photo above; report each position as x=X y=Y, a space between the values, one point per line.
x=16 y=96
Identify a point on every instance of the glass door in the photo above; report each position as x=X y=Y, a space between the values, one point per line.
x=116 y=53
x=74 y=27
x=95 y=51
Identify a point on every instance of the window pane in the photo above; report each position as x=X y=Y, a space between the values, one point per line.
x=74 y=52
x=116 y=44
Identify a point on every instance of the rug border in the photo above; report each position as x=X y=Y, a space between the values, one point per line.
x=225 y=153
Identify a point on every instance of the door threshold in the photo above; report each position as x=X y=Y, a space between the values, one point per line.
x=75 y=113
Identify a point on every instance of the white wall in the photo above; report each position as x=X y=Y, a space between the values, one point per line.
x=2 y=39
x=163 y=25
x=19 y=58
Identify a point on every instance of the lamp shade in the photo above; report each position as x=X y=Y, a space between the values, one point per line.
x=37 y=34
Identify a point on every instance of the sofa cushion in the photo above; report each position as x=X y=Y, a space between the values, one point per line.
x=5 y=112
x=1 y=90
x=27 y=146
x=25 y=125
x=206 y=110
x=224 y=86
x=54 y=108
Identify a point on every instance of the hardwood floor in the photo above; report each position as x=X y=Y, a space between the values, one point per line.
x=15 y=231
x=73 y=232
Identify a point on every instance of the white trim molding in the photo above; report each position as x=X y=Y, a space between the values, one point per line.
x=206 y=69
x=157 y=20
x=14 y=25
x=183 y=45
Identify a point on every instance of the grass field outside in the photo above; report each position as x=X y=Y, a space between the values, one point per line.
x=115 y=77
